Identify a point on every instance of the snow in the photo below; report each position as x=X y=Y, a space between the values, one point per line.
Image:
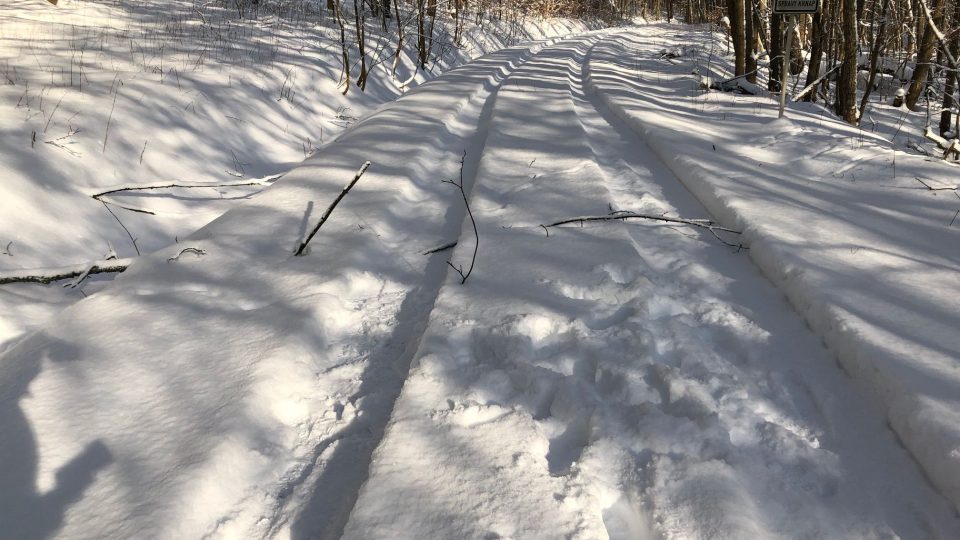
x=839 y=222
x=623 y=379
x=618 y=379
x=121 y=95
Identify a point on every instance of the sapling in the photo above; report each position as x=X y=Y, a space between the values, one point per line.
x=476 y=234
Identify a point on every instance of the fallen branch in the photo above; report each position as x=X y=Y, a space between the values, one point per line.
x=933 y=185
x=147 y=187
x=49 y=275
x=476 y=235
x=329 y=210
x=124 y=227
x=957 y=212
x=622 y=215
x=438 y=249
x=196 y=251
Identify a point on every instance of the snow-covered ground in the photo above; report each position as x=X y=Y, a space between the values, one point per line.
x=625 y=379
x=102 y=95
x=843 y=222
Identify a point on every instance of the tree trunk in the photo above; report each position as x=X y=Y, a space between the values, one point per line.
x=877 y=43
x=796 y=52
x=735 y=13
x=816 y=53
x=776 y=52
x=951 y=86
x=918 y=81
x=846 y=105
x=751 y=50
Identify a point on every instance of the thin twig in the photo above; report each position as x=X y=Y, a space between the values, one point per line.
x=620 y=215
x=196 y=251
x=132 y=239
x=102 y=195
x=106 y=132
x=444 y=247
x=329 y=210
x=55 y=108
x=958 y=211
x=476 y=235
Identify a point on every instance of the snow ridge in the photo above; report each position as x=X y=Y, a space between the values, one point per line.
x=901 y=349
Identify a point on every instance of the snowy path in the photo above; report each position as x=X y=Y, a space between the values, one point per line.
x=620 y=375
x=624 y=380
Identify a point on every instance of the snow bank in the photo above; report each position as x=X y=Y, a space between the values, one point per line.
x=833 y=216
x=233 y=392
x=98 y=95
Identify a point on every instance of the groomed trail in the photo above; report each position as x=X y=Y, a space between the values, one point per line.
x=622 y=379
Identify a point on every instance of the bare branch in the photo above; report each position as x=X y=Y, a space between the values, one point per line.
x=621 y=215
x=438 y=249
x=473 y=222
x=329 y=210
x=132 y=239
x=147 y=187
x=196 y=251
x=49 y=275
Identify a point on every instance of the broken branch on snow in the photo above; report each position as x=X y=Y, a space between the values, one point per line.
x=623 y=215
x=329 y=210
x=147 y=187
x=449 y=245
x=948 y=147
x=49 y=275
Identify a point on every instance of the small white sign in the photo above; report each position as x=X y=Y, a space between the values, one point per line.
x=796 y=6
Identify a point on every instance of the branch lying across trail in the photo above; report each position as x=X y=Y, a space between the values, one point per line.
x=329 y=210
x=622 y=215
x=147 y=187
x=49 y=275
x=934 y=185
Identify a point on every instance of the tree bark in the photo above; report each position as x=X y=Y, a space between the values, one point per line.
x=918 y=81
x=776 y=53
x=877 y=43
x=948 y=101
x=846 y=105
x=750 y=53
x=735 y=12
x=816 y=53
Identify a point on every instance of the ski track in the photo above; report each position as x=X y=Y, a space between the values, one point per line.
x=657 y=387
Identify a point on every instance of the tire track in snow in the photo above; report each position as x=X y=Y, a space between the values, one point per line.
x=485 y=437
x=326 y=513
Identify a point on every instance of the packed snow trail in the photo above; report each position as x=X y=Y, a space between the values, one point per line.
x=621 y=379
